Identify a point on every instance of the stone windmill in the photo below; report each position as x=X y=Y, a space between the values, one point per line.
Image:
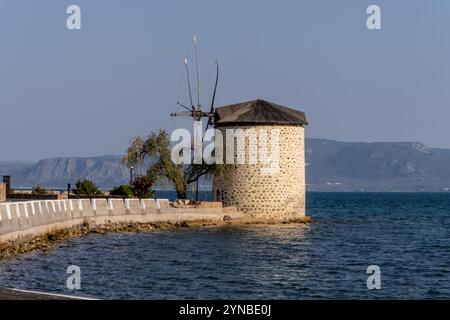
x=280 y=195
x=277 y=194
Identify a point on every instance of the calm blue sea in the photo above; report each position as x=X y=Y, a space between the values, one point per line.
x=406 y=234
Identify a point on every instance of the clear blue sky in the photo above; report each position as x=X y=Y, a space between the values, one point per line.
x=87 y=92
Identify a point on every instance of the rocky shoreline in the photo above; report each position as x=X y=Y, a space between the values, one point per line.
x=50 y=240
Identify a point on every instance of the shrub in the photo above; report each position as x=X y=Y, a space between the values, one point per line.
x=38 y=190
x=123 y=191
x=86 y=188
x=142 y=187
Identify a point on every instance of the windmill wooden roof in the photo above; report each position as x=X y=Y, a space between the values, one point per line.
x=257 y=112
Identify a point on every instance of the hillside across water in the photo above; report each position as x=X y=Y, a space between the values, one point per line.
x=331 y=166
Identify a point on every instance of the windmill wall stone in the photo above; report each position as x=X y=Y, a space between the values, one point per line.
x=273 y=196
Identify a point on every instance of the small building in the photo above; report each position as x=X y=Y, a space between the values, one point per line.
x=274 y=195
x=2 y=192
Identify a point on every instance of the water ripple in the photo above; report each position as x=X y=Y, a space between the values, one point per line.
x=407 y=235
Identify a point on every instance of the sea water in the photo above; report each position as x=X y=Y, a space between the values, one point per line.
x=407 y=235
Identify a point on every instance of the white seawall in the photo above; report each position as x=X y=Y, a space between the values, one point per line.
x=22 y=220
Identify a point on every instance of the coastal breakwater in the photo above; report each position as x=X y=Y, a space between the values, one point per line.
x=26 y=220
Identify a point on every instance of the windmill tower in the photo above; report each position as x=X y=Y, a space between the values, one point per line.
x=279 y=195
x=242 y=185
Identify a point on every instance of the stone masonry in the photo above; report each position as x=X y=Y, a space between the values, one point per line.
x=279 y=196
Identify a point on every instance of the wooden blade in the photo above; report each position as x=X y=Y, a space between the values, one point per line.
x=181 y=114
x=189 y=84
x=215 y=87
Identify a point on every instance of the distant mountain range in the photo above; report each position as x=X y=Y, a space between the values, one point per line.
x=331 y=166
x=106 y=171
x=377 y=166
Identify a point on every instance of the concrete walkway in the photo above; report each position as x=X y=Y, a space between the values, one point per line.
x=14 y=294
x=31 y=219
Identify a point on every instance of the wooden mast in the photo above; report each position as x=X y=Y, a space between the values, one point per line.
x=195 y=112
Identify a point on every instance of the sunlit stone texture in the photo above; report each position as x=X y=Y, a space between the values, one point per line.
x=273 y=196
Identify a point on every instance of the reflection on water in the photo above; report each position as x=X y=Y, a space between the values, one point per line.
x=407 y=235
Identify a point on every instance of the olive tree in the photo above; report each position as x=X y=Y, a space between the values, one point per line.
x=155 y=152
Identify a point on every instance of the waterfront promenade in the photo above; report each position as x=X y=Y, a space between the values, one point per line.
x=13 y=294
x=22 y=221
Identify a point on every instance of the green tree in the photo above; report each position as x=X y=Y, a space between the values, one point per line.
x=38 y=190
x=86 y=188
x=156 y=151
